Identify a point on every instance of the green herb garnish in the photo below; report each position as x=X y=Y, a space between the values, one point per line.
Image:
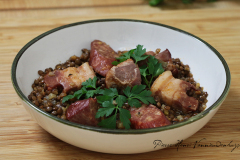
x=137 y=54
x=152 y=69
x=123 y=57
x=133 y=96
x=106 y=101
x=108 y=109
x=137 y=94
x=88 y=89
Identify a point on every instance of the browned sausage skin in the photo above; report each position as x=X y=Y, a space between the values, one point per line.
x=83 y=112
x=147 y=117
x=101 y=57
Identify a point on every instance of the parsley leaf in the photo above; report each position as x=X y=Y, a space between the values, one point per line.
x=90 y=83
x=127 y=91
x=158 y=69
x=134 y=103
x=123 y=57
x=121 y=100
x=124 y=117
x=138 y=93
x=101 y=99
x=88 y=89
x=137 y=54
x=110 y=92
x=66 y=98
x=109 y=122
x=90 y=93
x=138 y=88
x=107 y=109
x=153 y=69
x=133 y=96
x=115 y=63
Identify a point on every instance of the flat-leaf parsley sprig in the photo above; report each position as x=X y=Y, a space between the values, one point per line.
x=137 y=94
x=137 y=54
x=133 y=96
x=151 y=70
x=88 y=89
x=108 y=108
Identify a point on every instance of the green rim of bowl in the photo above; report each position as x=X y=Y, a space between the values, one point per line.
x=118 y=131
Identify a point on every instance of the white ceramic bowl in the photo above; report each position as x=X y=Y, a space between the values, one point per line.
x=57 y=45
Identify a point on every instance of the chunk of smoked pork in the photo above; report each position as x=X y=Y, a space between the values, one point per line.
x=164 y=56
x=70 y=78
x=147 y=117
x=173 y=92
x=101 y=57
x=124 y=74
x=83 y=112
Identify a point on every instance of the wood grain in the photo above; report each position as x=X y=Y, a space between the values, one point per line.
x=36 y=4
x=54 y=4
x=21 y=20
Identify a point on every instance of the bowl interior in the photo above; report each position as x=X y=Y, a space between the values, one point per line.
x=58 y=45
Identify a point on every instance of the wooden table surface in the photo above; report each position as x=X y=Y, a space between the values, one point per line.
x=217 y=23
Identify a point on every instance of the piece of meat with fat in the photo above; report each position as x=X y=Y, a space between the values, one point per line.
x=147 y=117
x=164 y=56
x=70 y=78
x=83 y=112
x=124 y=74
x=101 y=57
x=173 y=92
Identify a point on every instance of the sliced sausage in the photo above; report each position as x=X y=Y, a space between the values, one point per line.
x=83 y=112
x=173 y=92
x=147 y=117
x=101 y=57
x=124 y=74
x=70 y=78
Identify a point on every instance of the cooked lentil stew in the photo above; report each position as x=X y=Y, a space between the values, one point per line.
x=51 y=100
